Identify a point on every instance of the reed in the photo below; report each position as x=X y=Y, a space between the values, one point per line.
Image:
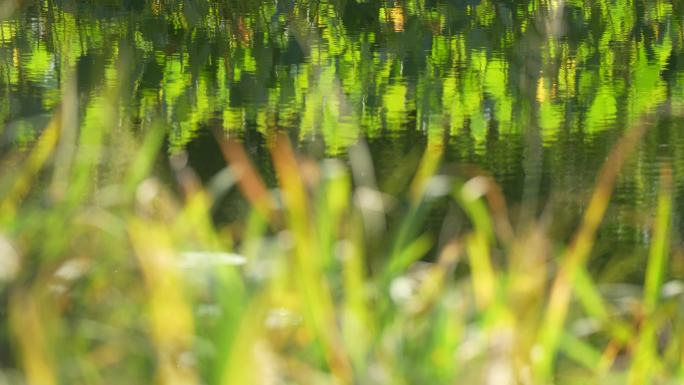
x=125 y=278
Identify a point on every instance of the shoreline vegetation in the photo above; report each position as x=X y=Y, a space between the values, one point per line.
x=132 y=281
x=118 y=265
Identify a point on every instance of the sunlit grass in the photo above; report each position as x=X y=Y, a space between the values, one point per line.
x=116 y=275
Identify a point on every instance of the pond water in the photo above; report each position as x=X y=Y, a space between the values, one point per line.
x=534 y=92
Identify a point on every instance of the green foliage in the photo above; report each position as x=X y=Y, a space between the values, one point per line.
x=143 y=286
x=115 y=269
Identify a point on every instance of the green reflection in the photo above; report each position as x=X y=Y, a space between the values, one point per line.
x=533 y=91
x=341 y=70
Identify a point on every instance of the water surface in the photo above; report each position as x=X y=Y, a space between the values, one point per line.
x=533 y=92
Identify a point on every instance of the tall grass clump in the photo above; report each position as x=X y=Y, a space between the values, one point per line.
x=112 y=270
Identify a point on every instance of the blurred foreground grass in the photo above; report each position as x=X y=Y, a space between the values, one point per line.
x=113 y=273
